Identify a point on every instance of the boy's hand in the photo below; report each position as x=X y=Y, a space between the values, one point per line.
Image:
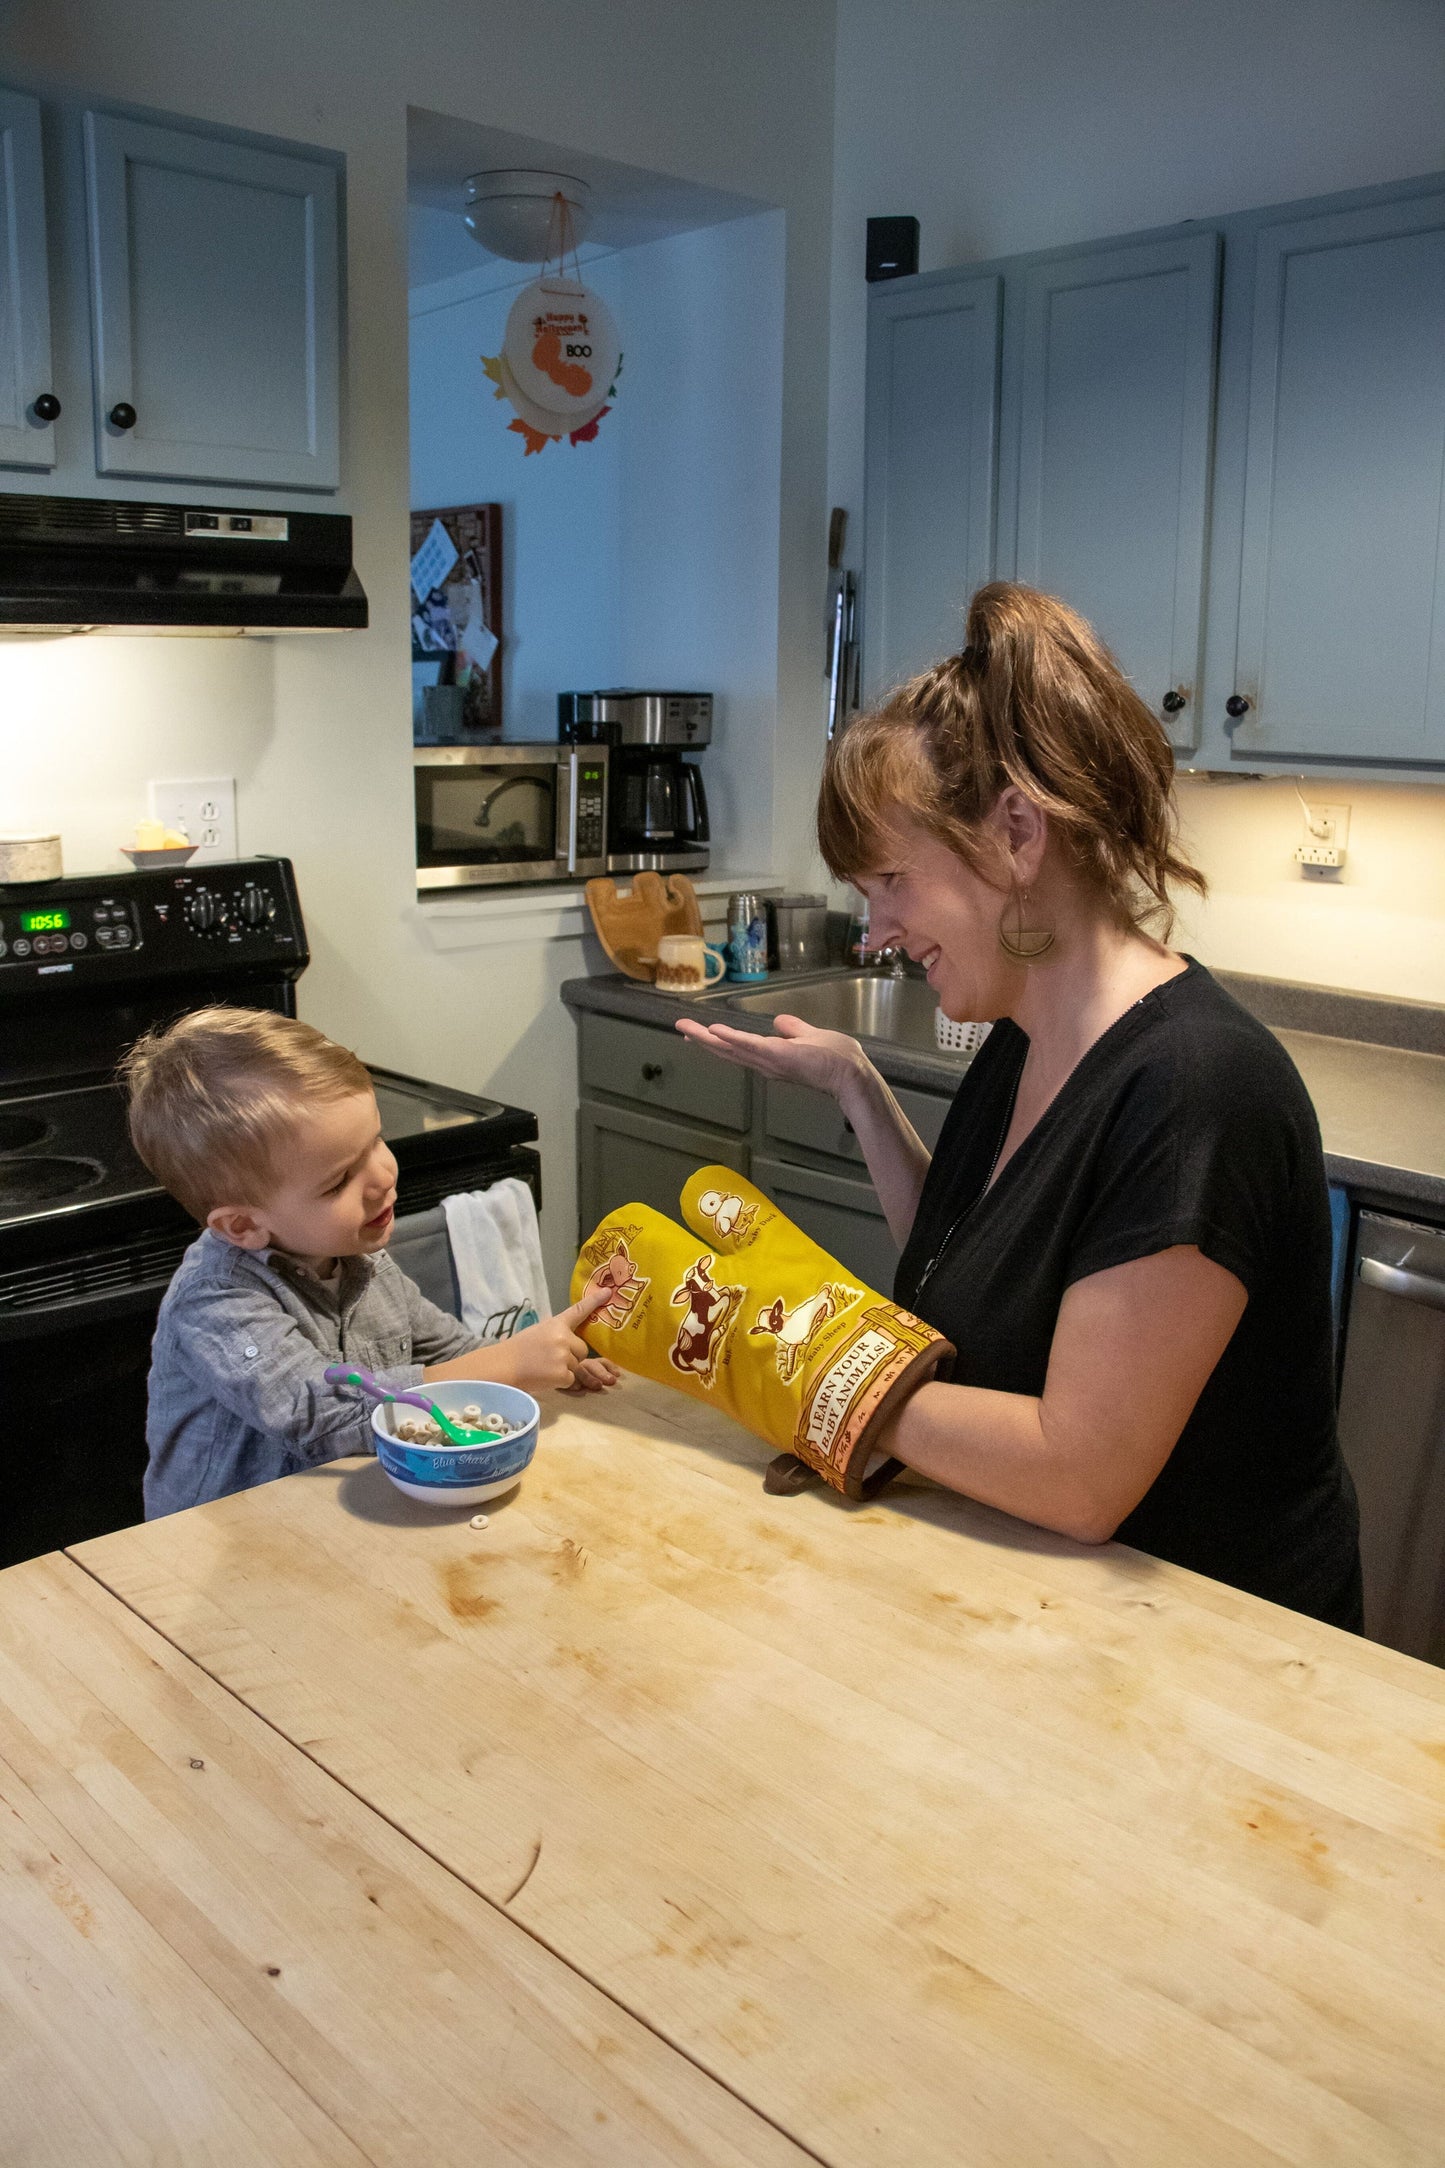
x=552 y=1355
x=596 y=1375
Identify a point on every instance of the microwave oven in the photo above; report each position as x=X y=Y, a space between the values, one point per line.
x=495 y=815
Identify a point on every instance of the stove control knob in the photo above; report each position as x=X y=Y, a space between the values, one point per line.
x=203 y=913
x=258 y=908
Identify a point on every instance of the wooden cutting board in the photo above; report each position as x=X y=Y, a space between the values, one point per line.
x=630 y=925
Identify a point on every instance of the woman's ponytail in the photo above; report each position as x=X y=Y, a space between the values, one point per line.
x=1032 y=699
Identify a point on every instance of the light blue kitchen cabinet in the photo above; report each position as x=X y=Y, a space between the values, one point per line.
x=653 y=1109
x=27 y=432
x=1224 y=444
x=1341 y=599
x=842 y=1215
x=625 y=1156
x=215 y=308
x=931 y=460
x=1108 y=421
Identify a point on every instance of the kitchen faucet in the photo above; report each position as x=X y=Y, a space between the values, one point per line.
x=509 y=782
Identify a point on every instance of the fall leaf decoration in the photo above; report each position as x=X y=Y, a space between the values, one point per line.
x=560 y=357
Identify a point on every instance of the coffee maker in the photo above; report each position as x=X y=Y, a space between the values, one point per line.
x=657 y=807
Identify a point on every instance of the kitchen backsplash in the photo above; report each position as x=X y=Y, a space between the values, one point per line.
x=1378 y=926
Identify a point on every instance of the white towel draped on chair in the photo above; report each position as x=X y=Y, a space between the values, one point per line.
x=497 y=1253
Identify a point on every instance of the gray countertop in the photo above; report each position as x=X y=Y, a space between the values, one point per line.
x=1382 y=1115
x=1381 y=1107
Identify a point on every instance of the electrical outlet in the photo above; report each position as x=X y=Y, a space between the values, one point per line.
x=1327 y=828
x=205 y=809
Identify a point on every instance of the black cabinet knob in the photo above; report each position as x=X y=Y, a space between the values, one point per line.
x=1236 y=705
x=47 y=407
x=651 y=1071
x=122 y=415
x=1173 y=701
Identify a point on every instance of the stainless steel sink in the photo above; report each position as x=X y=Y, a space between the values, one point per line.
x=865 y=1004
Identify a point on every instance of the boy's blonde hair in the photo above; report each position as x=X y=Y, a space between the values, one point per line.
x=215 y=1098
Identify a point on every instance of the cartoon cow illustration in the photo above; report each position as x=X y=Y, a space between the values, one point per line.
x=710 y=1311
x=796 y=1330
x=620 y=1273
x=727 y=1212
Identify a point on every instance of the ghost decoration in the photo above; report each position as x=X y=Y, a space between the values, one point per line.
x=559 y=363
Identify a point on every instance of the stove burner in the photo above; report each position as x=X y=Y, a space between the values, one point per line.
x=17 y=1130
x=28 y=1181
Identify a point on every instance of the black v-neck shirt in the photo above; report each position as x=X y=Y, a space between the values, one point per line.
x=1185 y=1123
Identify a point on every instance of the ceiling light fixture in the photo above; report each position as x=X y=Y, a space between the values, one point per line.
x=510 y=211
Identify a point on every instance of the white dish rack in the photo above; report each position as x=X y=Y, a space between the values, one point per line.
x=958 y=1038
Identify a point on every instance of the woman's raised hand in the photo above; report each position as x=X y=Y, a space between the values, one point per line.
x=796 y=1052
x=829 y=1061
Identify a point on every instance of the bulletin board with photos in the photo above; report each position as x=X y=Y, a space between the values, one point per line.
x=456 y=622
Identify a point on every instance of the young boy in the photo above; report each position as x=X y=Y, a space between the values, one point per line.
x=269 y=1134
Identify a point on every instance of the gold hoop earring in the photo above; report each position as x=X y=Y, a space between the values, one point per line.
x=1021 y=943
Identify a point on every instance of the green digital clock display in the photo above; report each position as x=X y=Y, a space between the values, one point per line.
x=44 y=921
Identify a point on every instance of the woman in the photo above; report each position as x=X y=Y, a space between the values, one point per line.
x=1125 y=1227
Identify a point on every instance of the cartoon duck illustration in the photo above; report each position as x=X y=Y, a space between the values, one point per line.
x=728 y=1213
x=795 y=1330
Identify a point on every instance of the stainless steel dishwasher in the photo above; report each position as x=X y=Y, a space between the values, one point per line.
x=1392 y=1428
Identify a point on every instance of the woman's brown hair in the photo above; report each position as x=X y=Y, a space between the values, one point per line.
x=1036 y=700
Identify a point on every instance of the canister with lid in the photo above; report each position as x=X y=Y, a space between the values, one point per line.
x=747 y=946
x=800 y=932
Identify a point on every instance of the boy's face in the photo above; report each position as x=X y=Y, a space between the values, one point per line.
x=337 y=1195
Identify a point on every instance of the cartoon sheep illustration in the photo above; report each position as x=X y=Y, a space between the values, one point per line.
x=795 y=1330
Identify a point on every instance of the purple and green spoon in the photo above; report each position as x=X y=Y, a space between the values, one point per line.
x=337 y=1374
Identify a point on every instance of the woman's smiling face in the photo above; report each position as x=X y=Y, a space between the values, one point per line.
x=923 y=898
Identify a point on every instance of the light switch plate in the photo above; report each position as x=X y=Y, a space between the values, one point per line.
x=205 y=807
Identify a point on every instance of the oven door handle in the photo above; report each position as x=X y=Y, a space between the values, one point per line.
x=73 y=1310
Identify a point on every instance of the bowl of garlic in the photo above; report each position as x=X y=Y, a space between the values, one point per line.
x=157 y=845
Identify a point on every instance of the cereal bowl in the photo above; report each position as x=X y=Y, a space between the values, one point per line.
x=454 y=1475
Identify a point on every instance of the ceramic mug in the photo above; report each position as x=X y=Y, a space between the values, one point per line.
x=686 y=964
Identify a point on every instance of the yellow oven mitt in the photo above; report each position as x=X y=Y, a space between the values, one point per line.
x=747 y=1312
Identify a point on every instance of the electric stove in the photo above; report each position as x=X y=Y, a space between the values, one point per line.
x=88 y=1239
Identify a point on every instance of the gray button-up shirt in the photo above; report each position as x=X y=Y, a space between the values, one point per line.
x=237 y=1394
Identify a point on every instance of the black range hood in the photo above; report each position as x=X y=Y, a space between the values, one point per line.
x=97 y=564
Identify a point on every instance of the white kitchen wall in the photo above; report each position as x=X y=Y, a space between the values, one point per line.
x=561 y=508
x=700 y=420
x=649 y=557
x=1042 y=122
x=317 y=731
x=1377 y=925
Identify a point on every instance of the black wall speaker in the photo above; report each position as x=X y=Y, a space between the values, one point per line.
x=892 y=247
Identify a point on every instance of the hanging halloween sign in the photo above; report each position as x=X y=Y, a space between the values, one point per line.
x=560 y=356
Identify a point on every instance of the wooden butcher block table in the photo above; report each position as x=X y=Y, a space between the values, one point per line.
x=929 y=1837
x=210 y=1952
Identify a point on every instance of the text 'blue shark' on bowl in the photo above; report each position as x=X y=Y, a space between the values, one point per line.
x=453 y=1475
